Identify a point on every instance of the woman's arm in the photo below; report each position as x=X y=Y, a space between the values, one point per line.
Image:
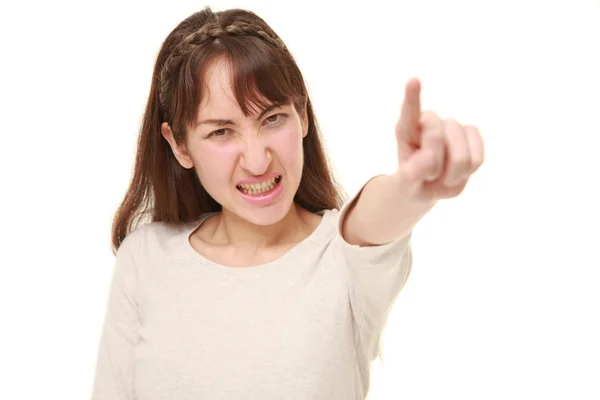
x=435 y=160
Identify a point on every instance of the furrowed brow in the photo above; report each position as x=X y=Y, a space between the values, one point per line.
x=223 y=122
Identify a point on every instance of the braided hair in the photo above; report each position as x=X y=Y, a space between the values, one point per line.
x=263 y=71
x=208 y=33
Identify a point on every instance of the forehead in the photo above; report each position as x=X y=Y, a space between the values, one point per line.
x=218 y=97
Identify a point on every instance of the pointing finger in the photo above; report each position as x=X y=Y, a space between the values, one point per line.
x=408 y=124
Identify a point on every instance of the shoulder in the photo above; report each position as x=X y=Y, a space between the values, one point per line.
x=156 y=239
x=327 y=223
x=333 y=220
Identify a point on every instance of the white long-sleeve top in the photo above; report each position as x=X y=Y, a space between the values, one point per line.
x=179 y=326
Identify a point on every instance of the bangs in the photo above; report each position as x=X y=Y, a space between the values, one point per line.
x=260 y=76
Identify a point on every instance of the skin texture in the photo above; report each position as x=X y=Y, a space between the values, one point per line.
x=436 y=158
x=249 y=147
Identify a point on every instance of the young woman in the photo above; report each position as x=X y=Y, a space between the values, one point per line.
x=252 y=279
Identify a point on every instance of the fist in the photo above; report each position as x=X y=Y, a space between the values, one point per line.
x=436 y=157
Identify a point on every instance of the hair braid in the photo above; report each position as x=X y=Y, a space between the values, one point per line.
x=205 y=34
x=262 y=70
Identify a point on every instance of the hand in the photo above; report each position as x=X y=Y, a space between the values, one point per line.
x=435 y=157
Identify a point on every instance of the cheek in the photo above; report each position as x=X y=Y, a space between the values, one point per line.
x=287 y=145
x=214 y=162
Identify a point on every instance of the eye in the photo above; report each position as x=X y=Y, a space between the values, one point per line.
x=275 y=118
x=218 y=133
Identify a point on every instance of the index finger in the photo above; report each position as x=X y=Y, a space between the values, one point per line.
x=411 y=108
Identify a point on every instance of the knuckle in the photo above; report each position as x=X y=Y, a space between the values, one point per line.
x=429 y=118
x=462 y=164
x=472 y=128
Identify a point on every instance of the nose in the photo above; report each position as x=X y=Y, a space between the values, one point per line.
x=256 y=156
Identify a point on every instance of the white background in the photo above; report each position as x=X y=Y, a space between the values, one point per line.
x=503 y=301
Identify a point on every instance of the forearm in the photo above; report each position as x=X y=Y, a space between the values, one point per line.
x=435 y=160
x=382 y=213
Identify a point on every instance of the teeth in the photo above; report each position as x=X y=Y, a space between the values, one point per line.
x=257 y=188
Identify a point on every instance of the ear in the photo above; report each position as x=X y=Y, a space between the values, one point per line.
x=304 y=121
x=179 y=152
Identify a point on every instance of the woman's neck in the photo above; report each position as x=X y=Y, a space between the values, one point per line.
x=231 y=229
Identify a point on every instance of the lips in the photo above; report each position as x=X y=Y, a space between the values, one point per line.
x=257 y=188
x=263 y=193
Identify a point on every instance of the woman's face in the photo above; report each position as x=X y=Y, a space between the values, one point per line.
x=252 y=166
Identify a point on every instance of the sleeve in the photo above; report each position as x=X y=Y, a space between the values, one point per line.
x=376 y=275
x=115 y=363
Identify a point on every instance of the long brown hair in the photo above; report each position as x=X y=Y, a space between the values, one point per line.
x=263 y=70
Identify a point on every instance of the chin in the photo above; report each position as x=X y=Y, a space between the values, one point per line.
x=265 y=216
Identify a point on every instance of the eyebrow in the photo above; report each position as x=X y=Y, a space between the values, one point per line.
x=223 y=122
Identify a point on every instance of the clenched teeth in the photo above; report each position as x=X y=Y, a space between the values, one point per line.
x=257 y=188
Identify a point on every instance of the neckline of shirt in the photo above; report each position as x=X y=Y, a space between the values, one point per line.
x=319 y=232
